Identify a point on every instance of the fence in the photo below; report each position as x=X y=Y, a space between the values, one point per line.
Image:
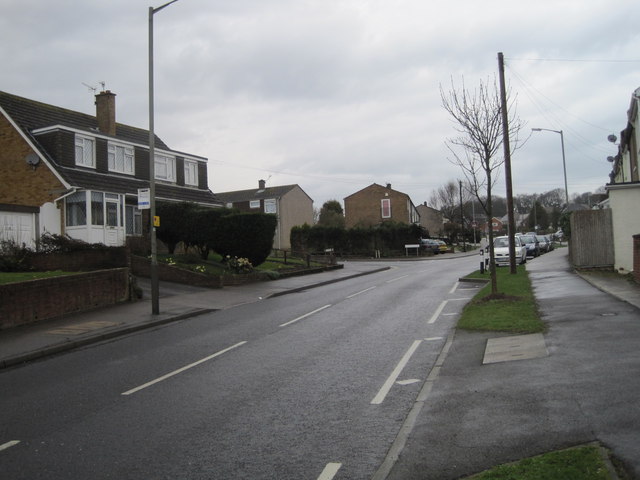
x=591 y=242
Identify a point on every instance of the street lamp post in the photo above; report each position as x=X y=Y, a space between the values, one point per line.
x=564 y=163
x=155 y=288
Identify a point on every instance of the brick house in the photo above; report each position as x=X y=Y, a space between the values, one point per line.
x=66 y=172
x=431 y=219
x=376 y=204
x=290 y=203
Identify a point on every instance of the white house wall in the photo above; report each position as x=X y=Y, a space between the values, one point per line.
x=50 y=219
x=624 y=201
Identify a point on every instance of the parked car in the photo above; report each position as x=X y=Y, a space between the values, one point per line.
x=550 y=238
x=501 y=251
x=429 y=244
x=532 y=244
x=444 y=248
x=544 y=242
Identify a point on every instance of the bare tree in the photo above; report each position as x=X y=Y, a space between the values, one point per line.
x=476 y=149
x=446 y=198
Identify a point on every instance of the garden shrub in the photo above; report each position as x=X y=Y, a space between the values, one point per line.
x=245 y=235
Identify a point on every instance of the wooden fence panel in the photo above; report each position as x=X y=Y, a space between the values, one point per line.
x=591 y=244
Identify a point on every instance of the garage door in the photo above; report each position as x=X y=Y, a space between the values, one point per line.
x=19 y=227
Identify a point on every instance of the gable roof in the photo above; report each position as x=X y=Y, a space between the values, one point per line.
x=256 y=193
x=377 y=186
x=31 y=115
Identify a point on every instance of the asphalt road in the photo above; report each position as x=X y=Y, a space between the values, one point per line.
x=315 y=384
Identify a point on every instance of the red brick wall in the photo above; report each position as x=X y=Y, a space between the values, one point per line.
x=80 y=260
x=47 y=298
x=142 y=267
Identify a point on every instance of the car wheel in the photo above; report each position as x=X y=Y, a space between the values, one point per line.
x=523 y=260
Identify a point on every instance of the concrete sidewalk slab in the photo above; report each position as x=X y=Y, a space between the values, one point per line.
x=516 y=347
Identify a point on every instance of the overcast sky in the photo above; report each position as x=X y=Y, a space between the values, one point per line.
x=337 y=94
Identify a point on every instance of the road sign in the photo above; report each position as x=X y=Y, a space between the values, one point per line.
x=144 y=198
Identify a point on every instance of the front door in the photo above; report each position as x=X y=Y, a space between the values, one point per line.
x=113 y=224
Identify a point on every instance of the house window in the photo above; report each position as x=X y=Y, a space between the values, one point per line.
x=85 y=151
x=190 y=172
x=385 y=204
x=120 y=158
x=165 y=168
x=97 y=208
x=133 y=220
x=76 y=209
x=254 y=204
x=270 y=206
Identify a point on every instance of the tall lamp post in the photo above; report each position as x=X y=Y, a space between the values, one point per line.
x=564 y=163
x=155 y=289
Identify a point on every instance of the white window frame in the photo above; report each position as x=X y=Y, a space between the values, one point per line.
x=85 y=151
x=270 y=206
x=254 y=203
x=114 y=150
x=190 y=172
x=387 y=202
x=165 y=168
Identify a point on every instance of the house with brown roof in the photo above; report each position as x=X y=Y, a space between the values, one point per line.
x=66 y=172
x=376 y=204
x=289 y=203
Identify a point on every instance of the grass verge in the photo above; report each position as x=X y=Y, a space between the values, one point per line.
x=579 y=463
x=513 y=310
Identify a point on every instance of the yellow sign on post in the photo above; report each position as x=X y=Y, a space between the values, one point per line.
x=156 y=221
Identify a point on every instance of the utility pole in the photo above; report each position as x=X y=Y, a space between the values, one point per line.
x=464 y=243
x=507 y=166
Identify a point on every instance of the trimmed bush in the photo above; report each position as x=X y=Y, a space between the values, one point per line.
x=246 y=235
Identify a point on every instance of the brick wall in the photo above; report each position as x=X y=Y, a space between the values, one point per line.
x=80 y=260
x=363 y=208
x=48 y=298
x=21 y=184
x=141 y=266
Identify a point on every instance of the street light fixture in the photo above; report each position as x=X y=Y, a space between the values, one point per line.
x=564 y=164
x=155 y=289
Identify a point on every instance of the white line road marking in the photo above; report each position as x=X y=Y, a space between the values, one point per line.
x=449 y=314
x=409 y=381
x=379 y=398
x=397 y=278
x=431 y=339
x=455 y=285
x=459 y=299
x=330 y=471
x=10 y=444
x=180 y=370
x=305 y=316
x=358 y=293
x=438 y=312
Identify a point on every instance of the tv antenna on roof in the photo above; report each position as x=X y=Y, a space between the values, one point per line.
x=91 y=89
x=95 y=89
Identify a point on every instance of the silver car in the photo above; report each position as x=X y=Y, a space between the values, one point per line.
x=501 y=251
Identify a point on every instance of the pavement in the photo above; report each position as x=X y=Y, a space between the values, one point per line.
x=576 y=383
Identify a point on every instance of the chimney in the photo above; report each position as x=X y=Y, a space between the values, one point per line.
x=389 y=186
x=106 y=112
x=262 y=184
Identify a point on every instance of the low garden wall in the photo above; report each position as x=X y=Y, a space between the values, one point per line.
x=47 y=298
x=141 y=266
